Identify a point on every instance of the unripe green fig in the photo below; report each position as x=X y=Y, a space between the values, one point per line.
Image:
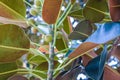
x=59 y=34
x=33 y=11
x=48 y=38
x=31 y=21
x=37 y=3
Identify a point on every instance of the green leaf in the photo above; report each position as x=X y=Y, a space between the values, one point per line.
x=67 y=26
x=94 y=10
x=14 y=14
x=61 y=44
x=44 y=67
x=76 y=6
x=13 y=43
x=37 y=59
x=6 y=67
x=76 y=14
x=81 y=31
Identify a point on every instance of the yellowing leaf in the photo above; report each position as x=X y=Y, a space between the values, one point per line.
x=21 y=23
x=13 y=43
x=13 y=12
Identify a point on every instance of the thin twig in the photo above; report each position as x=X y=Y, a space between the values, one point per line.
x=51 y=56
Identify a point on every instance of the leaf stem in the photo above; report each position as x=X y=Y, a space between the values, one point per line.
x=63 y=50
x=36 y=44
x=61 y=19
x=22 y=70
x=105 y=13
x=27 y=3
x=55 y=30
x=72 y=59
x=14 y=48
x=64 y=15
x=57 y=69
x=7 y=72
x=36 y=27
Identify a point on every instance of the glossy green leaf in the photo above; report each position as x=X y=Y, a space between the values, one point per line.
x=19 y=62
x=76 y=14
x=67 y=26
x=13 y=14
x=61 y=44
x=95 y=67
x=13 y=43
x=5 y=67
x=94 y=10
x=44 y=68
x=37 y=59
x=81 y=31
x=76 y=6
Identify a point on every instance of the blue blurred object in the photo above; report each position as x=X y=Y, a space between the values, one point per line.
x=106 y=32
x=95 y=67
